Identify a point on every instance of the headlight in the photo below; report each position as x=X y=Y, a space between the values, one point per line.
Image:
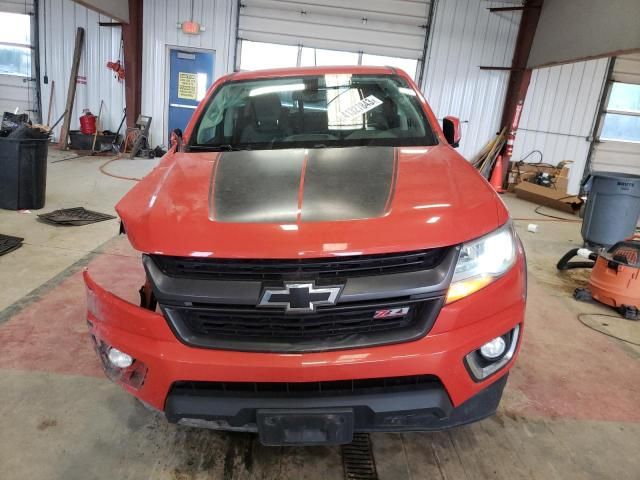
x=482 y=261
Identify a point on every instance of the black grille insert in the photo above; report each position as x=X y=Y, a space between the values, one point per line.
x=318 y=268
x=330 y=328
x=332 y=387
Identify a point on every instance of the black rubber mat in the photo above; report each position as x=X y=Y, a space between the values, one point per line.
x=9 y=243
x=357 y=459
x=74 y=216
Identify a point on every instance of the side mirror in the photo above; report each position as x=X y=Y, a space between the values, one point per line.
x=176 y=139
x=451 y=130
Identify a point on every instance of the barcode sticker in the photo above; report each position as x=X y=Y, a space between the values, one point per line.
x=363 y=106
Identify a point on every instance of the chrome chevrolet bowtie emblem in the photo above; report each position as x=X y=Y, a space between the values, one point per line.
x=299 y=297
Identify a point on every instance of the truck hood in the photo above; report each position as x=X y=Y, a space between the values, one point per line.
x=300 y=203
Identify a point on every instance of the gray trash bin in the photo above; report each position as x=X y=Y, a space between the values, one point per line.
x=613 y=208
x=23 y=173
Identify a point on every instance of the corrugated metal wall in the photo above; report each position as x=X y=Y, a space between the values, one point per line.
x=465 y=36
x=101 y=45
x=160 y=19
x=559 y=113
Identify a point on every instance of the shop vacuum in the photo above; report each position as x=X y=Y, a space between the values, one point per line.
x=612 y=249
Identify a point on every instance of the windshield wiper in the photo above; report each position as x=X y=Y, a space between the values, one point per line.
x=217 y=148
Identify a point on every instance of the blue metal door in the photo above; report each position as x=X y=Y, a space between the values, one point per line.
x=190 y=75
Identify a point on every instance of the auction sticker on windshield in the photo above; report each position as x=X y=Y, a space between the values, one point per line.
x=358 y=108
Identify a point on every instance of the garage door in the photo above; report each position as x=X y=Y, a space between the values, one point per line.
x=17 y=91
x=618 y=146
x=393 y=28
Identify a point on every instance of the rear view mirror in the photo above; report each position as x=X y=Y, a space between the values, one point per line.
x=451 y=130
x=176 y=139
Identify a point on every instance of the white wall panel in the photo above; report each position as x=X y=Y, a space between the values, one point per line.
x=16 y=6
x=101 y=44
x=160 y=18
x=627 y=69
x=465 y=36
x=559 y=113
x=16 y=91
x=613 y=156
x=616 y=157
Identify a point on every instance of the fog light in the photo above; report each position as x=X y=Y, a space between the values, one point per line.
x=493 y=355
x=493 y=349
x=119 y=359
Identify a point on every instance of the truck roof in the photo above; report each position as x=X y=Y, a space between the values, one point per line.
x=302 y=71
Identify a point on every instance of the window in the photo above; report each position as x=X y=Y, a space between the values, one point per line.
x=622 y=116
x=256 y=56
x=408 y=65
x=15 y=44
x=318 y=57
x=314 y=111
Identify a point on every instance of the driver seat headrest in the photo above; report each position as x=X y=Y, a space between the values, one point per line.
x=265 y=111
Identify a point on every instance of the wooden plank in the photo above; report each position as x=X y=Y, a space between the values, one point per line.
x=71 y=93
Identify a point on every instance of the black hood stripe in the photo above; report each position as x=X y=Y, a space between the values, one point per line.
x=347 y=183
x=263 y=186
x=259 y=186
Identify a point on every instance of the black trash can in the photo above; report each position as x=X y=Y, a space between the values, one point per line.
x=23 y=173
x=613 y=208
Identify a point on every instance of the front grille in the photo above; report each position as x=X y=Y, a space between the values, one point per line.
x=241 y=322
x=330 y=328
x=317 y=268
x=217 y=303
x=332 y=387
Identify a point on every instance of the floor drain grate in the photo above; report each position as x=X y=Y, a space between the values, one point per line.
x=357 y=459
x=74 y=216
x=9 y=243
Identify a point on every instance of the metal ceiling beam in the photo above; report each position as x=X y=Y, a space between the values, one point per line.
x=117 y=9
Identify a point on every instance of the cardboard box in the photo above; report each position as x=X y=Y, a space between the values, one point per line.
x=549 y=197
x=530 y=170
x=562 y=179
x=553 y=197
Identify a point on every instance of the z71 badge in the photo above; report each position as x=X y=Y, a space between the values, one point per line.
x=391 y=312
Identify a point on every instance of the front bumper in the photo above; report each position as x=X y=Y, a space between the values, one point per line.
x=413 y=409
x=461 y=327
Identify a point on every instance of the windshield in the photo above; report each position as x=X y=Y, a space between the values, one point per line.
x=332 y=110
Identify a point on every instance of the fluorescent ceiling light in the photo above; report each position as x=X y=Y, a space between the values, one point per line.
x=407 y=91
x=432 y=205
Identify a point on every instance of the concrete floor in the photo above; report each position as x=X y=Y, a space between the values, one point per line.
x=571 y=409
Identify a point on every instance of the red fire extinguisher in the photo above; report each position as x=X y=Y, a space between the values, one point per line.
x=88 y=123
x=117 y=68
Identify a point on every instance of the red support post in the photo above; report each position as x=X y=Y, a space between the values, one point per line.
x=132 y=38
x=519 y=78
